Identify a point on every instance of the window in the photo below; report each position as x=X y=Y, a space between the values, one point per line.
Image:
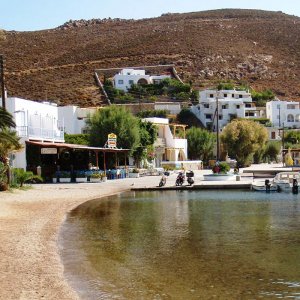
x=240 y=96
x=225 y=95
x=290 y=118
x=290 y=106
x=273 y=135
x=224 y=106
x=206 y=105
x=208 y=116
x=211 y=95
x=131 y=82
x=232 y=95
x=220 y=117
x=237 y=106
x=120 y=81
x=248 y=105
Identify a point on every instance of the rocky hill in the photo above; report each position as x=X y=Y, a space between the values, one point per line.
x=258 y=47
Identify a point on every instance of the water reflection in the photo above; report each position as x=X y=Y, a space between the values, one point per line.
x=184 y=245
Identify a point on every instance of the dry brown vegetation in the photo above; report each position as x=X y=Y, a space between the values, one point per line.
x=258 y=47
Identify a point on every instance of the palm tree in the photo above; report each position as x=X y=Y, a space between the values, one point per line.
x=9 y=141
x=6 y=119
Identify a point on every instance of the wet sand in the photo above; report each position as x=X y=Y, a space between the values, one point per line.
x=30 y=264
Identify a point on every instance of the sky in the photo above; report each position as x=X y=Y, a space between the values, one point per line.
x=31 y=15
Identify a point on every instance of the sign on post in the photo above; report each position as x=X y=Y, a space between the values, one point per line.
x=112 y=141
x=48 y=150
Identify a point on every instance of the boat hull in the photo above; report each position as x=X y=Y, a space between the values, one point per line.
x=262 y=187
x=219 y=177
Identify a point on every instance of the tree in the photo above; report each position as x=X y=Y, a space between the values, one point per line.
x=148 y=134
x=9 y=142
x=79 y=139
x=6 y=121
x=200 y=143
x=272 y=151
x=242 y=138
x=292 y=139
x=117 y=120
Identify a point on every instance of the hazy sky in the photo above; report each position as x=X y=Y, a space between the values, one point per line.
x=23 y=15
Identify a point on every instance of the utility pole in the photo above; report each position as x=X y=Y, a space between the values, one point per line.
x=217 y=114
x=282 y=143
x=2 y=81
x=279 y=115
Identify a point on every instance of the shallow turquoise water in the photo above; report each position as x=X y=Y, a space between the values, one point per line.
x=184 y=245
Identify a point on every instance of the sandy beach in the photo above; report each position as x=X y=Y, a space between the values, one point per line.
x=30 y=265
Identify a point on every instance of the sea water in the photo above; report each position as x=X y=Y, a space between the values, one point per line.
x=184 y=245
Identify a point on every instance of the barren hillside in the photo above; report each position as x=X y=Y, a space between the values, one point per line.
x=258 y=47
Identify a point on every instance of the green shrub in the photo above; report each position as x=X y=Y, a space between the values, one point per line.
x=21 y=177
x=224 y=167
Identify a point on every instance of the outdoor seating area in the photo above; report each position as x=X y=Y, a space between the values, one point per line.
x=88 y=175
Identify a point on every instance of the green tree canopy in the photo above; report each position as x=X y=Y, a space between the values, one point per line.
x=117 y=120
x=292 y=139
x=79 y=139
x=148 y=135
x=242 y=138
x=200 y=143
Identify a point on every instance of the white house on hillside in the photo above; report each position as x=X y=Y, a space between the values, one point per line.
x=285 y=113
x=35 y=121
x=231 y=104
x=127 y=77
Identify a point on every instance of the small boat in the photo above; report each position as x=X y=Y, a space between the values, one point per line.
x=285 y=181
x=219 y=177
x=260 y=186
x=282 y=182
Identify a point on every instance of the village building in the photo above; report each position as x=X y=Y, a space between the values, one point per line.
x=127 y=77
x=283 y=113
x=35 y=121
x=171 y=150
x=231 y=104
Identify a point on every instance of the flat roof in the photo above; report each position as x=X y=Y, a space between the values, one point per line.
x=75 y=146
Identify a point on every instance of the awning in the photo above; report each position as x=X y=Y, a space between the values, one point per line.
x=76 y=147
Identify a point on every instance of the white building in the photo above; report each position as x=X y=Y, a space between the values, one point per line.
x=231 y=104
x=168 y=147
x=35 y=121
x=285 y=113
x=127 y=77
x=74 y=118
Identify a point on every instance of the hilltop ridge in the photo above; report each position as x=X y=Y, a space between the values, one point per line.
x=258 y=47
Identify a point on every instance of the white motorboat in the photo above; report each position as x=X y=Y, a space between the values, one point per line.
x=219 y=177
x=260 y=186
x=286 y=180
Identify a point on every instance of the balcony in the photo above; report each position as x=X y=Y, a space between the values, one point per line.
x=40 y=133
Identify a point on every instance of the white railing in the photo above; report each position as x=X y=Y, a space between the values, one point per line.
x=40 y=133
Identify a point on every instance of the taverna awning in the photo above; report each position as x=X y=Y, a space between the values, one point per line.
x=81 y=147
x=76 y=147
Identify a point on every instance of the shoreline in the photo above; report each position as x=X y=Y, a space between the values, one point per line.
x=30 y=265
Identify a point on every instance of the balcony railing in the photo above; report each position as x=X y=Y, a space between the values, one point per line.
x=40 y=133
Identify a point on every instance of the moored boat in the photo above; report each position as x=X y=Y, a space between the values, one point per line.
x=260 y=186
x=219 y=177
